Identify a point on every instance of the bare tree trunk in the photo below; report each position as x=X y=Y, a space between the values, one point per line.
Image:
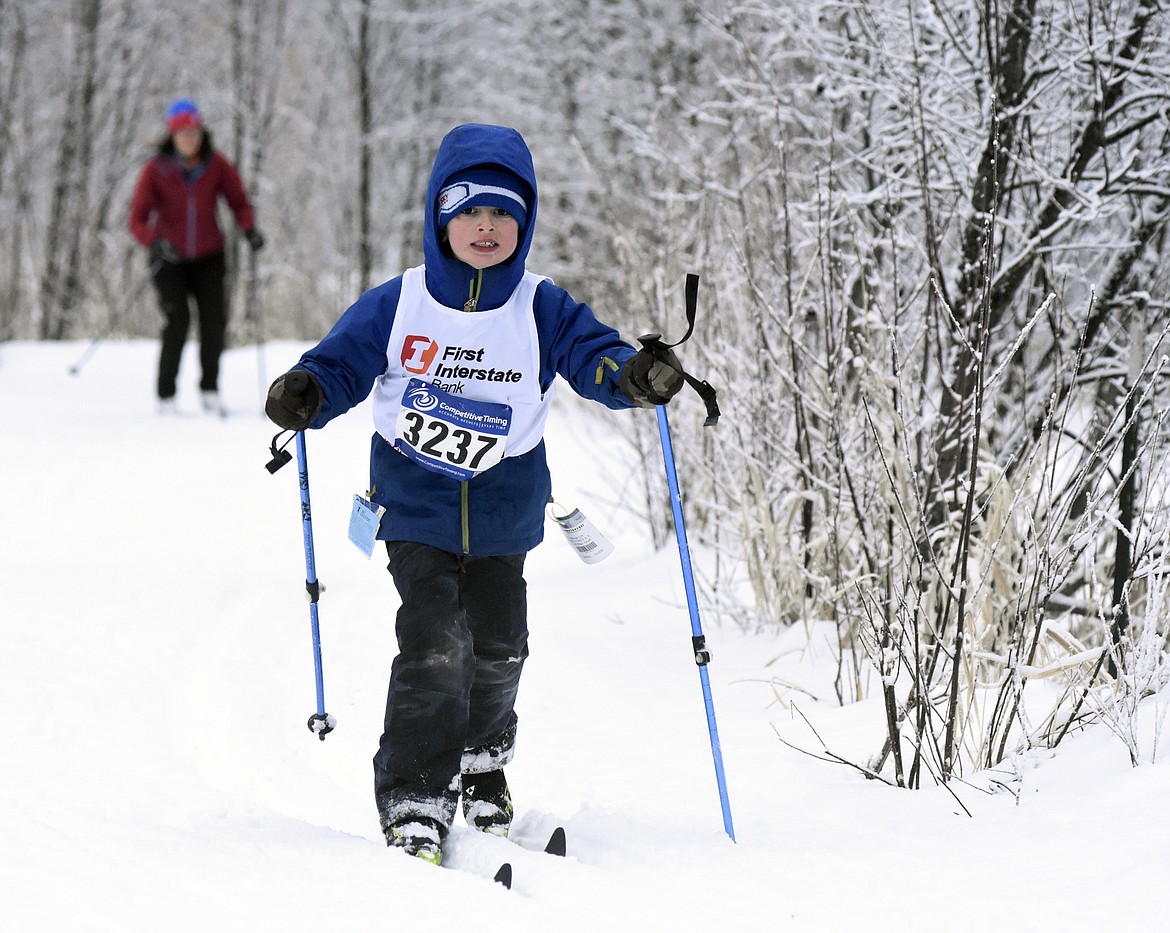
x=255 y=77
x=1127 y=500
x=1007 y=66
x=14 y=39
x=61 y=282
x=1012 y=82
x=365 y=131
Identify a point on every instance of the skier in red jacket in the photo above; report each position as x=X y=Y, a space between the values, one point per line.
x=172 y=214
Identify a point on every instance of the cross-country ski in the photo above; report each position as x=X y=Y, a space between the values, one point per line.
x=556 y=845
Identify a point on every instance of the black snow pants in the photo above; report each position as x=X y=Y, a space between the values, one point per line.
x=177 y=283
x=462 y=639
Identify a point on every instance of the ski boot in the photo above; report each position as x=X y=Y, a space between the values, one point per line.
x=420 y=837
x=487 y=802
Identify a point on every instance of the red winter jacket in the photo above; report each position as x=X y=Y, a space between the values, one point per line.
x=180 y=206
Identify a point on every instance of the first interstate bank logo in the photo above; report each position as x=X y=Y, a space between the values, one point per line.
x=418 y=352
x=456 y=369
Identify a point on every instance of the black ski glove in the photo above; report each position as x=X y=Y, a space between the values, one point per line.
x=294 y=400
x=255 y=239
x=163 y=252
x=651 y=378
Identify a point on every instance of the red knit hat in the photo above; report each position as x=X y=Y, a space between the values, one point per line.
x=183 y=115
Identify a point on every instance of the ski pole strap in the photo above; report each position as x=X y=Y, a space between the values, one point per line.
x=707 y=394
x=691 y=298
x=655 y=344
x=280 y=455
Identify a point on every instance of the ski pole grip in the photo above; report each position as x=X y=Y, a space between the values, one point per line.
x=652 y=343
x=296 y=382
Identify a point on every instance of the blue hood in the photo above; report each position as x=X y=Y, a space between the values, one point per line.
x=449 y=279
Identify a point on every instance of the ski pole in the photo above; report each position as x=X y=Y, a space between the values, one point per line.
x=137 y=290
x=655 y=344
x=258 y=328
x=698 y=640
x=320 y=722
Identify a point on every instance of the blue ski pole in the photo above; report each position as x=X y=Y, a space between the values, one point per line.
x=320 y=722
x=698 y=640
x=655 y=344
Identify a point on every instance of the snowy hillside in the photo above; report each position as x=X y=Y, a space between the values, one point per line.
x=156 y=676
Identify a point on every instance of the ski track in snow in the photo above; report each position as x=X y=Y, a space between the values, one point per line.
x=156 y=677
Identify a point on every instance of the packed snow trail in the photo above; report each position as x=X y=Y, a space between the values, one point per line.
x=156 y=672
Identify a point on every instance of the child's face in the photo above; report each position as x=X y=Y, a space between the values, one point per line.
x=483 y=236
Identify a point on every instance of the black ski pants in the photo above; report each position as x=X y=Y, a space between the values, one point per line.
x=462 y=635
x=177 y=283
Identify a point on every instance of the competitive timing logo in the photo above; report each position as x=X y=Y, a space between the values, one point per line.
x=421 y=398
x=418 y=352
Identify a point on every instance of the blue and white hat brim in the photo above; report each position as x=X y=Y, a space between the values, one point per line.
x=461 y=195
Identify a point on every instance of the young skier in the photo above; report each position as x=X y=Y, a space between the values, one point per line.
x=461 y=355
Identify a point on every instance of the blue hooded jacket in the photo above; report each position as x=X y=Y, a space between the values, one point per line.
x=499 y=511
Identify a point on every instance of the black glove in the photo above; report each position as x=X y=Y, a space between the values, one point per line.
x=651 y=378
x=255 y=239
x=294 y=400
x=163 y=252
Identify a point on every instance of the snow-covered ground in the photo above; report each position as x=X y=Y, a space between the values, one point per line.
x=156 y=677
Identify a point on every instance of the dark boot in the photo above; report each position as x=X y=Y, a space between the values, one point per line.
x=418 y=825
x=487 y=802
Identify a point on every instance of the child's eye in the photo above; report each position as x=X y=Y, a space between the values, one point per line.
x=476 y=209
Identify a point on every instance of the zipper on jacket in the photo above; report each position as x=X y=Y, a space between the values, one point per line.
x=474 y=287
x=463 y=517
x=190 y=224
x=601 y=364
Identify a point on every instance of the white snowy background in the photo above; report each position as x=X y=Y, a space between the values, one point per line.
x=156 y=677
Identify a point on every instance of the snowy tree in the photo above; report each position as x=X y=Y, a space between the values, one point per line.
x=937 y=224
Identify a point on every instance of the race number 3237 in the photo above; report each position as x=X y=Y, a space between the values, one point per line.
x=450 y=434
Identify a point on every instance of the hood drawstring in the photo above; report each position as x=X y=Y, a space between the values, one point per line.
x=474 y=287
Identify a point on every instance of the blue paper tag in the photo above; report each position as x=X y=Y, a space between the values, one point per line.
x=363 y=524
